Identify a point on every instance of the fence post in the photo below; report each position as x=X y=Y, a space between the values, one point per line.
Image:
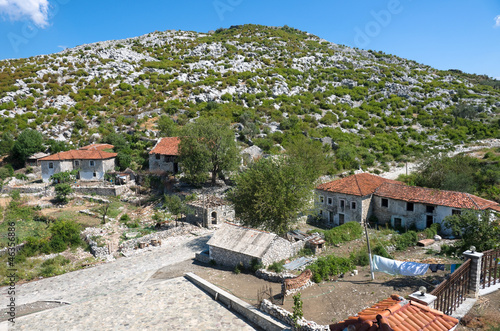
x=475 y=270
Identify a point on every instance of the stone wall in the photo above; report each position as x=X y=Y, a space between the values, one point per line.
x=274 y=277
x=101 y=190
x=172 y=230
x=292 y=285
x=328 y=205
x=16 y=249
x=285 y=316
x=281 y=249
x=162 y=165
x=229 y=258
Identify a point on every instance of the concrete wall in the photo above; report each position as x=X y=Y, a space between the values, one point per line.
x=264 y=321
x=329 y=206
x=165 y=163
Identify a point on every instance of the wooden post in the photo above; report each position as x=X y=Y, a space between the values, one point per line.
x=369 y=251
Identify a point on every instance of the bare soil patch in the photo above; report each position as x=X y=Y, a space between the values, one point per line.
x=485 y=315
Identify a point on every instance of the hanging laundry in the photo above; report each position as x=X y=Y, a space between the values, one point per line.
x=454 y=267
x=386 y=265
x=436 y=267
x=413 y=269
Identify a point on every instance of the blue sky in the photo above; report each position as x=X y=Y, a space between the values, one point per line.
x=444 y=34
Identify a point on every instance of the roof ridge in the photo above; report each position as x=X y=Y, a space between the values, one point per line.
x=473 y=201
x=357 y=183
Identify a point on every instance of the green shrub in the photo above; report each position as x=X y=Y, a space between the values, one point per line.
x=343 y=233
x=276 y=267
x=360 y=258
x=239 y=268
x=306 y=251
x=381 y=251
x=406 y=240
x=255 y=265
x=330 y=266
x=125 y=218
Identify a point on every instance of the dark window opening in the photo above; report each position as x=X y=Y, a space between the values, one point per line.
x=430 y=220
x=353 y=205
x=429 y=209
x=342 y=205
x=51 y=165
x=214 y=218
x=456 y=212
x=158 y=156
x=91 y=163
x=341 y=219
x=385 y=203
x=94 y=174
x=409 y=206
x=330 y=201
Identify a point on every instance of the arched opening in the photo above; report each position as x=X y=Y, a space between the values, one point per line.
x=214 y=218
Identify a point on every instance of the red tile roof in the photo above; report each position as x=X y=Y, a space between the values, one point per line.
x=92 y=154
x=398 y=314
x=360 y=184
x=433 y=196
x=99 y=147
x=167 y=146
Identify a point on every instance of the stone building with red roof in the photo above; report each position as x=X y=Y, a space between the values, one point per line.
x=92 y=162
x=357 y=197
x=164 y=157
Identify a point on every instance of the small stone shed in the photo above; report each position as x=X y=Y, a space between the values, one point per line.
x=232 y=244
x=210 y=211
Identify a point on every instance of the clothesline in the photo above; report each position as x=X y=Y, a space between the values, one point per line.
x=394 y=267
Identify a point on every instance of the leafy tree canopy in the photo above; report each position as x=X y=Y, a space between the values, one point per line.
x=477 y=228
x=28 y=143
x=207 y=145
x=271 y=194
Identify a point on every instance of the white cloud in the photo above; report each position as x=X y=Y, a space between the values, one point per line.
x=497 y=21
x=35 y=10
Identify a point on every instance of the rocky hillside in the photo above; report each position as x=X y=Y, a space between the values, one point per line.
x=274 y=82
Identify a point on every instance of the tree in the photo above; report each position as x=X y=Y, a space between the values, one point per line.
x=477 y=228
x=271 y=194
x=6 y=143
x=27 y=143
x=62 y=192
x=175 y=205
x=166 y=126
x=103 y=210
x=308 y=154
x=207 y=145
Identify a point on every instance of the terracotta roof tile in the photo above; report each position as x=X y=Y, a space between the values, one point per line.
x=99 y=147
x=359 y=184
x=433 y=196
x=167 y=146
x=92 y=154
x=399 y=314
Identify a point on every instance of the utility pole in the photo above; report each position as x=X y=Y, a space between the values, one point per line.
x=369 y=251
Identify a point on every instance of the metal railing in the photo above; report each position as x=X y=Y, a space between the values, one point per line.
x=453 y=291
x=490 y=269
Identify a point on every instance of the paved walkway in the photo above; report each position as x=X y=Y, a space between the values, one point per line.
x=174 y=304
x=118 y=296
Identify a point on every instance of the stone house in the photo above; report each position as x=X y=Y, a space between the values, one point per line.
x=210 y=211
x=357 y=197
x=233 y=244
x=164 y=157
x=90 y=161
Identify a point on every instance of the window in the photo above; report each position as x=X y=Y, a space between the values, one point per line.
x=94 y=174
x=329 y=201
x=321 y=199
x=429 y=209
x=51 y=165
x=398 y=223
x=330 y=217
x=353 y=205
x=91 y=163
x=456 y=212
x=77 y=163
x=158 y=156
x=385 y=203
x=409 y=206
x=342 y=205
x=321 y=212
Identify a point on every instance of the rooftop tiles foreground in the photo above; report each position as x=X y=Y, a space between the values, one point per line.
x=174 y=304
x=396 y=314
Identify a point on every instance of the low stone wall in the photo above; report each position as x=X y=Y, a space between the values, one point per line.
x=285 y=316
x=101 y=190
x=28 y=189
x=274 y=277
x=16 y=249
x=98 y=251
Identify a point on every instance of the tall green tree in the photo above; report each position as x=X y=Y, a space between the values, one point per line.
x=27 y=143
x=166 y=126
x=308 y=154
x=272 y=194
x=477 y=228
x=207 y=145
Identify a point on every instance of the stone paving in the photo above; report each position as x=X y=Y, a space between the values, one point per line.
x=118 y=295
x=174 y=304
